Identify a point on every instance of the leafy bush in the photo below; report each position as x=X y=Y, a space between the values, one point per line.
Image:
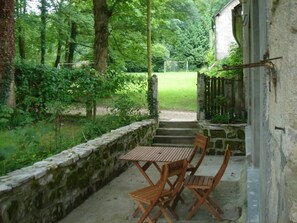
x=5 y=116
x=234 y=58
x=39 y=86
x=228 y=119
x=130 y=99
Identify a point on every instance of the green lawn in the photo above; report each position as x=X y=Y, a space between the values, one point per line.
x=178 y=91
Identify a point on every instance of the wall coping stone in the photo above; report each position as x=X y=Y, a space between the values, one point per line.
x=227 y=125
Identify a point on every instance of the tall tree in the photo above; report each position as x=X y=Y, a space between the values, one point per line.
x=7 y=53
x=102 y=13
x=21 y=10
x=72 y=42
x=43 y=11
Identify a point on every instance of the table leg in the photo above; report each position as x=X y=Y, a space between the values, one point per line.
x=142 y=169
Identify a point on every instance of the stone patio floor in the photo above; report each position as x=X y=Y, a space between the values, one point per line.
x=112 y=204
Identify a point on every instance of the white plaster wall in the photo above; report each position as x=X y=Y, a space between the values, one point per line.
x=223 y=30
x=282 y=111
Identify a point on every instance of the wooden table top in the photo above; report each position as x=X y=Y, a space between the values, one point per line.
x=158 y=154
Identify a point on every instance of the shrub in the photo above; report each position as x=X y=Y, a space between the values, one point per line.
x=5 y=116
x=234 y=58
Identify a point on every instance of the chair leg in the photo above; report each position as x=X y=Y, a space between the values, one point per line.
x=212 y=203
x=146 y=213
x=178 y=198
x=194 y=207
x=202 y=198
x=173 y=212
x=166 y=215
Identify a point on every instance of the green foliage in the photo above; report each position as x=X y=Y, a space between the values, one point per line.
x=234 y=58
x=32 y=143
x=39 y=86
x=153 y=105
x=221 y=119
x=6 y=113
x=5 y=83
x=193 y=44
x=227 y=119
x=130 y=98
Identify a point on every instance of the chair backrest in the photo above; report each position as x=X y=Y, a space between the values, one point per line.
x=201 y=142
x=176 y=170
x=223 y=167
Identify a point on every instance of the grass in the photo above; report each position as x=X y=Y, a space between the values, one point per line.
x=23 y=146
x=177 y=90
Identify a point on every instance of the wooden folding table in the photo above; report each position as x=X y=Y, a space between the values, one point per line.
x=151 y=155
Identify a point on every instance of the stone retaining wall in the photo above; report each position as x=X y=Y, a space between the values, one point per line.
x=48 y=190
x=222 y=134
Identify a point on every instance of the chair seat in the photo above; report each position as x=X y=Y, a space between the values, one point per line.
x=148 y=194
x=201 y=182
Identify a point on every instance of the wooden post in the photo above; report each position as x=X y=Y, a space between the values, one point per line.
x=149 y=40
x=201 y=96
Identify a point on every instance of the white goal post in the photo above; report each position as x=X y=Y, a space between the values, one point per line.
x=176 y=66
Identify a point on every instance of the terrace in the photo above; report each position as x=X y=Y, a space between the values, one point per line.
x=112 y=203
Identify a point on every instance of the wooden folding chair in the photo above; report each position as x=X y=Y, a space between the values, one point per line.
x=161 y=195
x=202 y=186
x=200 y=144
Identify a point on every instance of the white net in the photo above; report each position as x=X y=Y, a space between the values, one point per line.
x=175 y=66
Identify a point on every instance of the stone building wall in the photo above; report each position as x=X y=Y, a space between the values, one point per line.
x=281 y=193
x=48 y=190
x=270 y=31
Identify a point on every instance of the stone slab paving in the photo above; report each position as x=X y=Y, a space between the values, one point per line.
x=112 y=204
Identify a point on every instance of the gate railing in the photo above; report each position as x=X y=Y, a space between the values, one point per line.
x=220 y=96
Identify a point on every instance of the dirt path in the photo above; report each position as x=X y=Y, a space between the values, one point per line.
x=166 y=115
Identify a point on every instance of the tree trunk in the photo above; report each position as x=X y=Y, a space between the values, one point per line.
x=21 y=9
x=59 y=50
x=72 y=43
x=7 y=53
x=22 y=43
x=101 y=19
x=43 y=30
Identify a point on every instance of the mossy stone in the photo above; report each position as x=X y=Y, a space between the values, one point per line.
x=211 y=152
x=205 y=132
x=13 y=210
x=210 y=144
x=240 y=134
x=236 y=145
x=217 y=134
x=231 y=135
x=219 y=144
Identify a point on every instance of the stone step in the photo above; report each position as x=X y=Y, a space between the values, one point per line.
x=178 y=124
x=177 y=131
x=172 y=139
